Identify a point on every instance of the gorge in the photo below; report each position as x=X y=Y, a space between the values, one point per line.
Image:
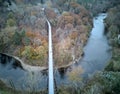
x=96 y=54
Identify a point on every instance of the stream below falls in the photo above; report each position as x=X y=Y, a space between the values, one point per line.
x=97 y=53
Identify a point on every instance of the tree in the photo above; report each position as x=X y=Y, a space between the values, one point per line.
x=18 y=36
x=2 y=2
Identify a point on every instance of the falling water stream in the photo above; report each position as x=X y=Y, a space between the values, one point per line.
x=24 y=77
x=50 y=62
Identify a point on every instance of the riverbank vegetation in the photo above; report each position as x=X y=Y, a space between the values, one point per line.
x=23 y=31
x=108 y=80
x=23 y=28
x=11 y=90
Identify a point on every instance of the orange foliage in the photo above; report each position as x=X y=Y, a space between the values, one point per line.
x=83 y=11
x=44 y=41
x=81 y=28
x=68 y=19
x=51 y=14
x=74 y=35
x=83 y=38
x=74 y=5
x=78 y=19
x=68 y=26
x=29 y=32
x=37 y=34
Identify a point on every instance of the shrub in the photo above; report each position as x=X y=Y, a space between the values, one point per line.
x=28 y=52
x=109 y=67
x=11 y=22
x=18 y=36
x=103 y=83
x=74 y=35
x=26 y=41
x=6 y=37
x=74 y=75
x=116 y=66
x=32 y=53
x=114 y=31
x=10 y=15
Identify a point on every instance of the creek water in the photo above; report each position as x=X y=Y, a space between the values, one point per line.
x=97 y=51
x=96 y=55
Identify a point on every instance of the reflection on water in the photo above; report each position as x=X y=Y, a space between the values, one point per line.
x=13 y=74
x=96 y=55
x=96 y=52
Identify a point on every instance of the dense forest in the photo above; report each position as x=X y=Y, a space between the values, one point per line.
x=23 y=33
x=26 y=34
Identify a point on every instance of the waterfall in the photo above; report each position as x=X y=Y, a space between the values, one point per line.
x=50 y=62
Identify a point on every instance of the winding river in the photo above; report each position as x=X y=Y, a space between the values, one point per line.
x=97 y=53
x=23 y=77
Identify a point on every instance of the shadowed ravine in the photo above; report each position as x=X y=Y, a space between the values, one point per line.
x=96 y=54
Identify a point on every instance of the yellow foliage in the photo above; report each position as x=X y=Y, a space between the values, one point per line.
x=9 y=30
x=34 y=13
x=27 y=51
x=66 y=13
x=49 y=4
x=34 y=53
x=11 y=22
x=74 y=5
x=74 y=75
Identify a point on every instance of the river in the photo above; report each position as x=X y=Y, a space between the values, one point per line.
x=96 y=55
x=97 y=52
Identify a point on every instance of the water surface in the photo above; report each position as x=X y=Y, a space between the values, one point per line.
x=96 y=55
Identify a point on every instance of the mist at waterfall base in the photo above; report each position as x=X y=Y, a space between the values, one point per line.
x=96 y=55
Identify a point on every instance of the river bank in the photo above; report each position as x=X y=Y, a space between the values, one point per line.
x=108 y=80
x=32 y=74
x=96 y=82
x=25 y=31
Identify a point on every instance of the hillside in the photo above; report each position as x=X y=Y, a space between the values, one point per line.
x=23 y=32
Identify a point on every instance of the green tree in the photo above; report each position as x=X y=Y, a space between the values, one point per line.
x=11 y=22
x=18 y=36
